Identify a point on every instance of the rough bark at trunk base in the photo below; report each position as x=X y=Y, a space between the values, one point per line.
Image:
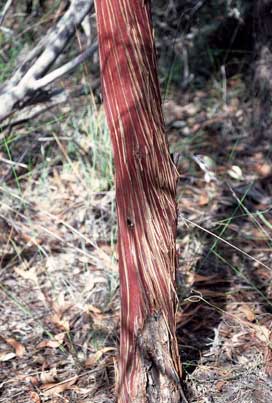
x=149 y=368
x=161 y=381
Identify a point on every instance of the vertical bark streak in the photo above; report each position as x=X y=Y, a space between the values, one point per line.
x=146 y=207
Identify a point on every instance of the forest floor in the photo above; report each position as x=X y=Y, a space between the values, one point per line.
x=59 y=304
x=59 y=279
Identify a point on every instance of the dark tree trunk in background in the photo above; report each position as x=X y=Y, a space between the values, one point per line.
x=149 y=368
x=263 y=68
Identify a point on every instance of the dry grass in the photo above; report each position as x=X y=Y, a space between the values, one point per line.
x=58 y=268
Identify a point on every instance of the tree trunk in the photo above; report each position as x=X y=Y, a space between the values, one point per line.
x=149 y=368
x=263 y=69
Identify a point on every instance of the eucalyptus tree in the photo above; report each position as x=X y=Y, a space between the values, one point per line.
x=149 y=368
x=149 y=365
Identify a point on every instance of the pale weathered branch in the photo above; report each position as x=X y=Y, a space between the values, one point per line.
x=49 y=101
x=66 y=68
x=53 y=99
x=5 y=10
x=32 y=75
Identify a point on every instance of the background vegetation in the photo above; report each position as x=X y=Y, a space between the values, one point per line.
x=58 y=265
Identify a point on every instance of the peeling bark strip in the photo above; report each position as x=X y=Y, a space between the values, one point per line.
x=149 y=369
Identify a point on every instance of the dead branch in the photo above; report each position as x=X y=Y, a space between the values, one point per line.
x=32 y=76
x=5 y=10
x=50 y=99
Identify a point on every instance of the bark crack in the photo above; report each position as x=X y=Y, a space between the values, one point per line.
x=162 y=380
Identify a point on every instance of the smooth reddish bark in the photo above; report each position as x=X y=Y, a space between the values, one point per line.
x=149 y=369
